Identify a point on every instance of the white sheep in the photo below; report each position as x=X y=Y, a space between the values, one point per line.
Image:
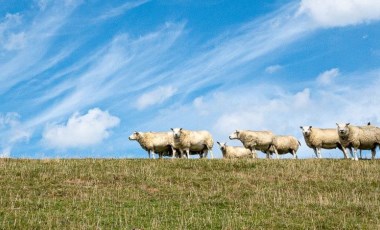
x=359 y=137
x=161 y=143
x=317 y=139
x=188 y=142
x=283 y=145
x=234 y=151
x=254 y=140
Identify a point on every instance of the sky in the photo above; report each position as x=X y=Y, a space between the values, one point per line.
x=79 y=76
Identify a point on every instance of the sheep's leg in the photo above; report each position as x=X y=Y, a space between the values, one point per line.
x=204 y=153
x=294 y=154
x=188 y=153
x=151 y=154
x=344 y=151
x=373 y=153
x=316 y=153
x=181 y=153
x=355 y=155
x=267 y=152
x=352 y=154
x=360 y=154
x=276 y=152
x=319 y=153
x=254 y=155
x=211 y=154
x=174 y=152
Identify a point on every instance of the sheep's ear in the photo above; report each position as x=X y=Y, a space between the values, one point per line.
x=369 y=123
x=310 y=127
x=300 y=127
x=218 y=142
x=172 y=129
x=347 y=124
x=337 y=124
x=180 y=129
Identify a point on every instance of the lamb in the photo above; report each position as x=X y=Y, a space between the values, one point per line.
x=284 y=144
x=187 y=141
x=359 y=137
x=161 y=143
x=254 y=140
x=233 y=151
x=317 y=138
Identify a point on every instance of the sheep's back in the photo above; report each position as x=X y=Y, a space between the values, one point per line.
x=260 y=140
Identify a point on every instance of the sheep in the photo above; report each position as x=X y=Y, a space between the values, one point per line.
x=192 y=142
x=254 y=140
x=359 y=137
x=317 y=138
x=155 y=142
x=369 y=125
x=233 y=151
x=284 y=144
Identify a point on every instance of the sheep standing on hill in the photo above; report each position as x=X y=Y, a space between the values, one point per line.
x=254 y=140
x=317 y=138
x=233 y=151
x=155 y=142
x=187 y=141
x=359 y=137
x=284 y=144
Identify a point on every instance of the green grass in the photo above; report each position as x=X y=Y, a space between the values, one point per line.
x=189 y=194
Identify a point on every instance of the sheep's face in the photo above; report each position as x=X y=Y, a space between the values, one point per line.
x=134 y=136
x=222 y=145
x=235 y=135
x=177 y=132
x=343 y=129
x=306 y=130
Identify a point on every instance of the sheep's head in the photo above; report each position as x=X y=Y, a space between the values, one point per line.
x=176 y=132
x=306 y=130
x=134 y=136
x=343 y=129
x=235 y=135
x=222 y=145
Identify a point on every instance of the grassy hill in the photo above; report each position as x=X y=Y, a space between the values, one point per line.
x=189 y=194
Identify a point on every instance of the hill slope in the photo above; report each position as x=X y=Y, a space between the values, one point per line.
x=189 y=194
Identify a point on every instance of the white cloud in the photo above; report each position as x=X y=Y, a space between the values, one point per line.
x=81 y=130
x=157 y=96
x=273 y=69
x=331 y=13
x=12 y=131
x=328 y=76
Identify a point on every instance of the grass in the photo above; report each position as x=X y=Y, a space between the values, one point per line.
x=189 y=194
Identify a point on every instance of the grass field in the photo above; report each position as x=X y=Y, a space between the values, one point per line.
x=189 y=194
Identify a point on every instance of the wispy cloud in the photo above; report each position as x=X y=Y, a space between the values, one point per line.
x=116 y=11
x=36 y=40
x=328 y=76
x=157 y=96
x=273 y=69
x=11 y=132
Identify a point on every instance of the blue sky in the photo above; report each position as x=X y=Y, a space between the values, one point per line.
x=78 y=77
